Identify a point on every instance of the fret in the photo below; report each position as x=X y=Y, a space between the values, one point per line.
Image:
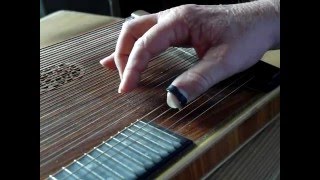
x=134 y=141
x=141 y=156
x=158 y=130
x=124 y=154
x=143 y=149
x=86 y=168
x=174 y=143
x=132 y=148
x=115 y=160
x=69 y=174
x=65 y=173
x=51 y=177
x=164 y=146
x=106 y=167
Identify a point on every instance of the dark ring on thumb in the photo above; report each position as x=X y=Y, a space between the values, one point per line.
x=175 y=91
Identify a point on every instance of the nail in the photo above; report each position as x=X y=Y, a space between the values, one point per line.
x=101 y=62
x=175 y=99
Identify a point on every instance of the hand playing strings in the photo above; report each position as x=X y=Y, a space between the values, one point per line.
x=227 y=38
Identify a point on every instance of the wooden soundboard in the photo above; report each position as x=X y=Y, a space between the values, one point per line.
x=82 y=109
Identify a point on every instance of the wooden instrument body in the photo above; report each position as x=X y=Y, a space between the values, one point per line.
x=82 y=113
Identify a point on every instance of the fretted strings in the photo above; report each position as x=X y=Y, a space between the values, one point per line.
x=99 y=49
x=89 y=133
x=154 y=119
x=66 y=150
x=60 y=134
x=46 y=127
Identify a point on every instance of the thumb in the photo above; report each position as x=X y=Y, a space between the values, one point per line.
x=211 y=69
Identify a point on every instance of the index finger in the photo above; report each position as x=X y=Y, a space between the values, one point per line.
x=153 y=42
x=131 y=31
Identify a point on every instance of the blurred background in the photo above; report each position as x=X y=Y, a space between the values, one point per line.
x=118 y=8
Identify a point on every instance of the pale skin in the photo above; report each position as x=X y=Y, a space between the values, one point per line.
x=227 y=38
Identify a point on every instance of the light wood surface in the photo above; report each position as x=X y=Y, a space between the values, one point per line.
x=63 y=25
x=272 y=57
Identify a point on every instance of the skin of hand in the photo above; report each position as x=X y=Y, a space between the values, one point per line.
x=227 y=38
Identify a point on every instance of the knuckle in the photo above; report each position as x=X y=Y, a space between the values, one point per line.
x=128 y=26
x=185 y=9
x=141 y=43
x=175 y=12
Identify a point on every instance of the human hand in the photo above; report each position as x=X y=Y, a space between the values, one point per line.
x=227 y=38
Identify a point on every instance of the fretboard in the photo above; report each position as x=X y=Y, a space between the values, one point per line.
x=134 y=153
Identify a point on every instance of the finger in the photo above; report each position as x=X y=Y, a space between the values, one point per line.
x=131 y=31
x=108 y=62
x=156 y=40
x=198 y=79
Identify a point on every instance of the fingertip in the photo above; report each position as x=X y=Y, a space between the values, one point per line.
x=103 y=62
x=176 y=97
x=125 y=88
x=119 y=90
x=108 y=62
x=172 y=101
x=129 y=81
